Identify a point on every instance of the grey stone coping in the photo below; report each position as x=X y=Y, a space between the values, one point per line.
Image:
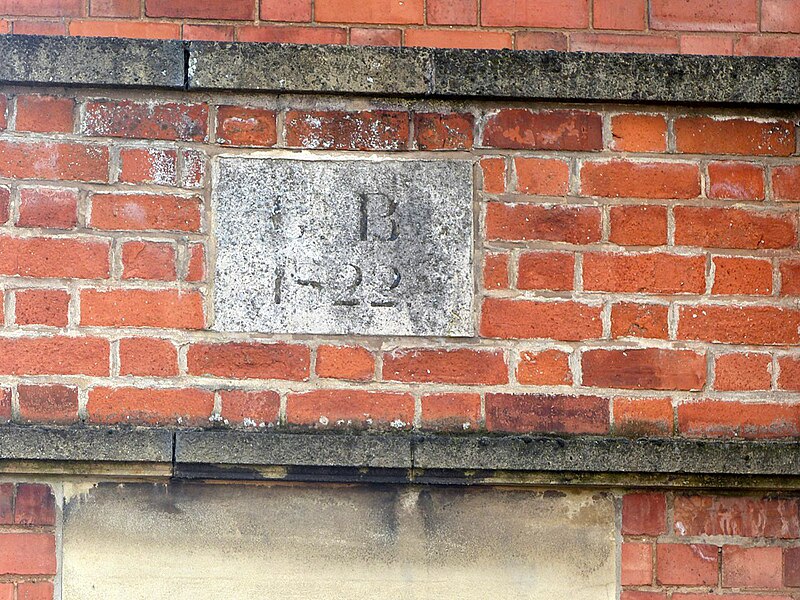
x=415 y=72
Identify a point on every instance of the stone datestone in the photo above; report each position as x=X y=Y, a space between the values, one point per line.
x=311 y=541
x=372 y=247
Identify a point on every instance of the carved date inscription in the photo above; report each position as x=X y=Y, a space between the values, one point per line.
x=343 y=246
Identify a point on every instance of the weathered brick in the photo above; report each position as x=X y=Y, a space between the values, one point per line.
x=638 y=417
x=790 y=277
x=370 y=11
x=208 y=9
x=454 y=412
x=619 y=14
x=752 y=567
x=686 y=564
x=526 y=319
x=58 y=355
x=762 y=325
x=355 y=363
x=53 y=160
x=789 y=375
x=45 y=114
x=632 y=319
x=549 y=367
x=461 y=365
x=34 y=505
x=452 y=12
x=791 y=567
x=528 y=413
x=705 y=135
x=638 y=132
x=140 y=406
x=494 y=175
x=542 y=176
x=535 y=13
x=521 y=129
x=437 y=131
x=339 y=130
x=5 y=204
x=742 y=371
x=628 y=179
x=40 y=590
x=148 y=260
x=149 y=165
x=194 y=168
x=735 y=181
x=243 y=126
x=654 y=273
x=147 y=120
x=637 y=564
x=786 y=182
x=48 y=403
x=700 y=15
x=638 y=225
x=737 y=275
x=51 y=208
x=350 y=409
x=283 y=34
x=756 y=517
x=644 y=513
x=523 y=222
x=7 y=505
x=644 y=368
x=196 y=269
x=733 y=228
x=147 y=357
x=142 y=212
x=42 y=8
x=495 y=271
x=283 y=10
x=373 y=36
x=250 y=408
x=54 y=257
x=130 y=29
x=114 y=8
x=730 y=419
x=546 y=271
x=42 y=307
x=27 y=554
x=142 y=308
x=249 y=360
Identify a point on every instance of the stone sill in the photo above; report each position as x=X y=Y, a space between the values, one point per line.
x=400 y=457
x=385 y=71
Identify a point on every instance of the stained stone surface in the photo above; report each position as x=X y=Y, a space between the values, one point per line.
x=329 y=542
x=373 y=247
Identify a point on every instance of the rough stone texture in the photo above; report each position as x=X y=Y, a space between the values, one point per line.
x=85 y=444
x=333 y=247
x=198 y=541
x=297 y=68
x=91 y=61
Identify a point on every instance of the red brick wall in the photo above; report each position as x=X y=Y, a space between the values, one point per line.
x=745 y=27
x=640 y=270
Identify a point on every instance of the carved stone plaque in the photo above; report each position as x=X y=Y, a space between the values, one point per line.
x=374 y=247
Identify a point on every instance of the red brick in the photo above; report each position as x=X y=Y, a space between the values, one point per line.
x=211 y=33
x=540 y=40
x=494 y=175
x=640 y=595
x=59 y=355
x=194 y=168
x=656 y=273
x=137 y=406
x=27 y=554
x=149 y=165
x=42 y=307
x=452 y=12
x=546 y=271
x=789 y=373
x=620 y=14
x=48 y=207
x=54 y=257
x=196 y=269
x=5 y=204
x=610 y=42
x=34 y=505
x=528 y=413
x=147 y=357
x=148 y=260
x=495 y=271
x=638 y=417
x=5 y=417
x=42 y=8
x=572 y=14
x=752 y=567
x=735 y=181
x=126 y=29
x=436 y=131
x=637 y=564
x=250 y=408
x=208 y=9
x=762 y=325
x=458 y=38
x=780 y=16
x=759 y=45
x=791 y=567
x=292 y=35
x=7 y=504
x=729 y=419
x=242 y=126
x=345 y=362
x=644 y=368
x=737 y=516
x=53 y=160
x=114 y=8
x=286 y=10
x=142 y=212
x=45 y=114
x=733 y=228
x=370 y=11
x=644 y=513
x=517 y=128
x=142 y=308
x=626 y=179
x=636 y=132
x=249 y=360
x=736 y=275
x=686 y=564
x=786 y=182
x=41 y=590
x=704 y=15
x=790 y=277
x=454 y=412
x=370 y=36
x=462 y=365
x=707 y=44
x=542 y=176
x=350 y=409
x=631 y=319
x=339 y=130
x=129 y=119
x=704 y=135
x=746 y=371
x=3 y=98
x=523 y=222
x=528 y=319
x=549 y=367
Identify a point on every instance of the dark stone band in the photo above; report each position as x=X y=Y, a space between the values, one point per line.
x=382 y=71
